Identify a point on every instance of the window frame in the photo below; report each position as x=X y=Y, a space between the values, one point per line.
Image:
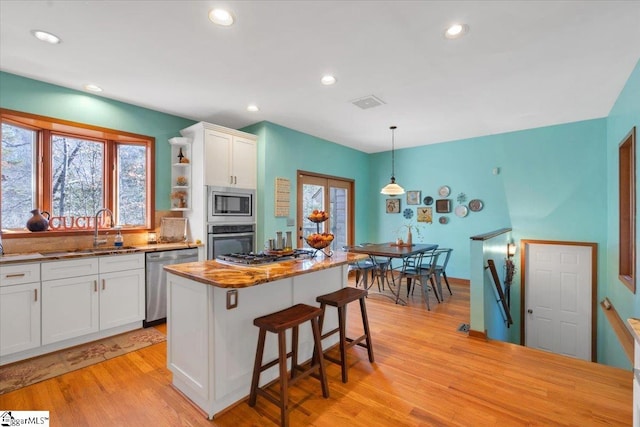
x=45 y=126
x=627 y=210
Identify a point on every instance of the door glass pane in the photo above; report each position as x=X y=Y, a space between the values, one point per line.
x=338 y=215
x=17 y=175
x=132 y=181
x=77 y=181
x=312 y=199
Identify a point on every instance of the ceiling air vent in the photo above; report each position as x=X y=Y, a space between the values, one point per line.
x=368 y=102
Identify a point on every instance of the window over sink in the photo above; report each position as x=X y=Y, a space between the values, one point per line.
x=72 y=170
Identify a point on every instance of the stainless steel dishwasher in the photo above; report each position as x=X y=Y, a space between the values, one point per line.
x=156 y=284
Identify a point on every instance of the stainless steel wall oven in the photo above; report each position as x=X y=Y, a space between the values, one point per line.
x=225 y=239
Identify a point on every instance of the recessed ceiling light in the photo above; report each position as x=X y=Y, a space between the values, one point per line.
x=221 y=17
x=456 y=30
x=252 y=108
x=328 y=80
x=46 y=37
x=93 y=88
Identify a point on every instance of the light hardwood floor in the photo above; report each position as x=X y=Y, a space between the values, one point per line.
x=426 y=373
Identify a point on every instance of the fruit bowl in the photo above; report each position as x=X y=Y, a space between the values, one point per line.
x=318 y=216
x=319 y=240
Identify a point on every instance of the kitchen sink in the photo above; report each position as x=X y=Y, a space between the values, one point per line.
x=113 y=250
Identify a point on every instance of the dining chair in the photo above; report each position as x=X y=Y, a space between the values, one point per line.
x=416 y=268
x=440 y=270
x=362 y=268
x=380 y=270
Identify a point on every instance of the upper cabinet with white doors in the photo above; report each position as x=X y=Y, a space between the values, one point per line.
x=222 y=156
x=231 y=160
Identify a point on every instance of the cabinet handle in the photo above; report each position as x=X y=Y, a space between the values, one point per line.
x=104 y=285
x=95 y=286
x=35 y=291
x=9 y=276
x=235 y=179
x=230 y=179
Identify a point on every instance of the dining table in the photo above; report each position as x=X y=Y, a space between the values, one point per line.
x=388 y=252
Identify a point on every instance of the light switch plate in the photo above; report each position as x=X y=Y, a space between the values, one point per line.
x=290 y=222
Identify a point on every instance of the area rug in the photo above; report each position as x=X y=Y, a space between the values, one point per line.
x=31 y=371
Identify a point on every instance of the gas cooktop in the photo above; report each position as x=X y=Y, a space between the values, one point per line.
x=262 y=258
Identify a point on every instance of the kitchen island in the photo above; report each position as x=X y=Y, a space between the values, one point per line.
x=211 y=339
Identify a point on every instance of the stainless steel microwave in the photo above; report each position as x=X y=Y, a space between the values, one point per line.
x=231 y=205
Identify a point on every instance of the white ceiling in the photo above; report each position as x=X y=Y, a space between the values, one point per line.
x=523 y=64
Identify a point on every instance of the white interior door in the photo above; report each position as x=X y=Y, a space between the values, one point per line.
x=558 y=298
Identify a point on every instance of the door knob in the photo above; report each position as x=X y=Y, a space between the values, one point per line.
x=530 y=311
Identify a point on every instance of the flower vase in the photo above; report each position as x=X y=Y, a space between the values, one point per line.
x=38 y=222
x=409 y=238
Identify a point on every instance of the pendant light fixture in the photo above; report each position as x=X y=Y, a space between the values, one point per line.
x=392 y=189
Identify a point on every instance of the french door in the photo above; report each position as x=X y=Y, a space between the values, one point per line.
x=333 y=195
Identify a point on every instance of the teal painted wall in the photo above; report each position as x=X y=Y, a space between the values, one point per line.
x=624 y=115
x=546 y=188
x=283 y=151
x=32 y=96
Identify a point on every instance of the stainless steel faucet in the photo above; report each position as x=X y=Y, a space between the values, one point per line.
x=97 y=242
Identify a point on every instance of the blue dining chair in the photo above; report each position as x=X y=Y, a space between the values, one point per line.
x=419 y=268
x=361 y=268
x=441 y=270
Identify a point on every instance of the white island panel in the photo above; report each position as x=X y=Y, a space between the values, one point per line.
x=211 y=348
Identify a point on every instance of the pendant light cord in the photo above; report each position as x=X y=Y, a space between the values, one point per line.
x=393 y=158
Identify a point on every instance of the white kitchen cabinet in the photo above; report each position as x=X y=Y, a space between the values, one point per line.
x=231 y=161
x=19 y=307
x=91 y=294
x=20 y=298
x=69 y=299
x=211 y=347
x=121 y=298
x=69 y=308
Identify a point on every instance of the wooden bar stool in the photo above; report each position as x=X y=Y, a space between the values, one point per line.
x=340 y=299
x=278 y=323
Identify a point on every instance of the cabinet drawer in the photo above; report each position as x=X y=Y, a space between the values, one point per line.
x=123 y=262
x=16 y=274
x=71 y=268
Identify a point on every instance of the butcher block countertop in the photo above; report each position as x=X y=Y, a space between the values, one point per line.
x=240 y=276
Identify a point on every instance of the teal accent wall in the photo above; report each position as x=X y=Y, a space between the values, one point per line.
x=624 y=115
x=36 y=97
x=283 y=151
x=549 y=186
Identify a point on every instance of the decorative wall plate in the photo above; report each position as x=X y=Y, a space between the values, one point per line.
x=475 y=205
x=428 y=200
x=461 y=211
x=443 y=220
x=444 y=191
x=408 y=213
